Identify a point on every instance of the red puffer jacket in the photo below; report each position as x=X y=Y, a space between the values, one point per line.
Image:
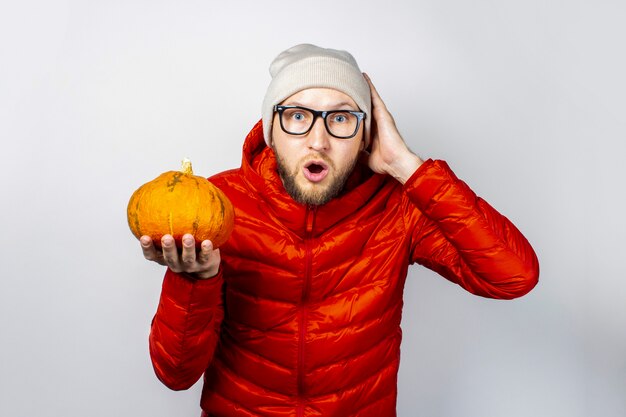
x=304 y=317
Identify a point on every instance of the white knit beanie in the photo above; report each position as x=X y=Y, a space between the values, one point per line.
x=309 y=66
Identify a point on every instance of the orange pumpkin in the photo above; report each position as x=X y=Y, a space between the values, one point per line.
x=178 y=202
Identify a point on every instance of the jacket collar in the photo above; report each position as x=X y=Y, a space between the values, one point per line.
x=259 y=170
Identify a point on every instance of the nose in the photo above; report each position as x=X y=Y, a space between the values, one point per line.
x=318 y=136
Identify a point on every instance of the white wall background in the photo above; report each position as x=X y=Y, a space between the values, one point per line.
x=525 y=100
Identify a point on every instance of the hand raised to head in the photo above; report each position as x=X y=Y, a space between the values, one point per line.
x=390 y=154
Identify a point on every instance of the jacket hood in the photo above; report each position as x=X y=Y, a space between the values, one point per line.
x=259 y=170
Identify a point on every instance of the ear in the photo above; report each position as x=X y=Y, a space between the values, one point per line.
x=365 y=139
x=270 y=141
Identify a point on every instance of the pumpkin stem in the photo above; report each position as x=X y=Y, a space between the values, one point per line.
x=186 y=169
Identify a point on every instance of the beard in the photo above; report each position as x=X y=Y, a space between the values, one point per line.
x=318 y=194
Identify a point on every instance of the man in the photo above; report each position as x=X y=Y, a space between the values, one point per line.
x=298 y=314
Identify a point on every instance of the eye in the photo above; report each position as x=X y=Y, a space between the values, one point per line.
x=340 y=118
x=296 y=115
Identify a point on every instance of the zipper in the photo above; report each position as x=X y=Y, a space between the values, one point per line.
x=306 y=288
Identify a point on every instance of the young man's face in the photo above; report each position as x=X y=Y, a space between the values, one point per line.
x=314 y=167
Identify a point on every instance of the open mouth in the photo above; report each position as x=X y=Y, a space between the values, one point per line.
x=315 y=171
x=315 y=168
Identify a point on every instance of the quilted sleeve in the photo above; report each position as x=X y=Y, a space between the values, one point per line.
x=185 y=329
x=463 y=238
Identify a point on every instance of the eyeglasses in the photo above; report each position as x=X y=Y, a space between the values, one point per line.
x=341 y=124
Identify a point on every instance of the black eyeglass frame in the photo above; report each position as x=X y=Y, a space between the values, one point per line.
x=323 y=114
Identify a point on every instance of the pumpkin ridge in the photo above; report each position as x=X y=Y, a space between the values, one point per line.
x=195 y=225
x=137 y=225
x=222 y=209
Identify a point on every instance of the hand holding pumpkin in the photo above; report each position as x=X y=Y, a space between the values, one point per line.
x=202 y=263
x=181 y=219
